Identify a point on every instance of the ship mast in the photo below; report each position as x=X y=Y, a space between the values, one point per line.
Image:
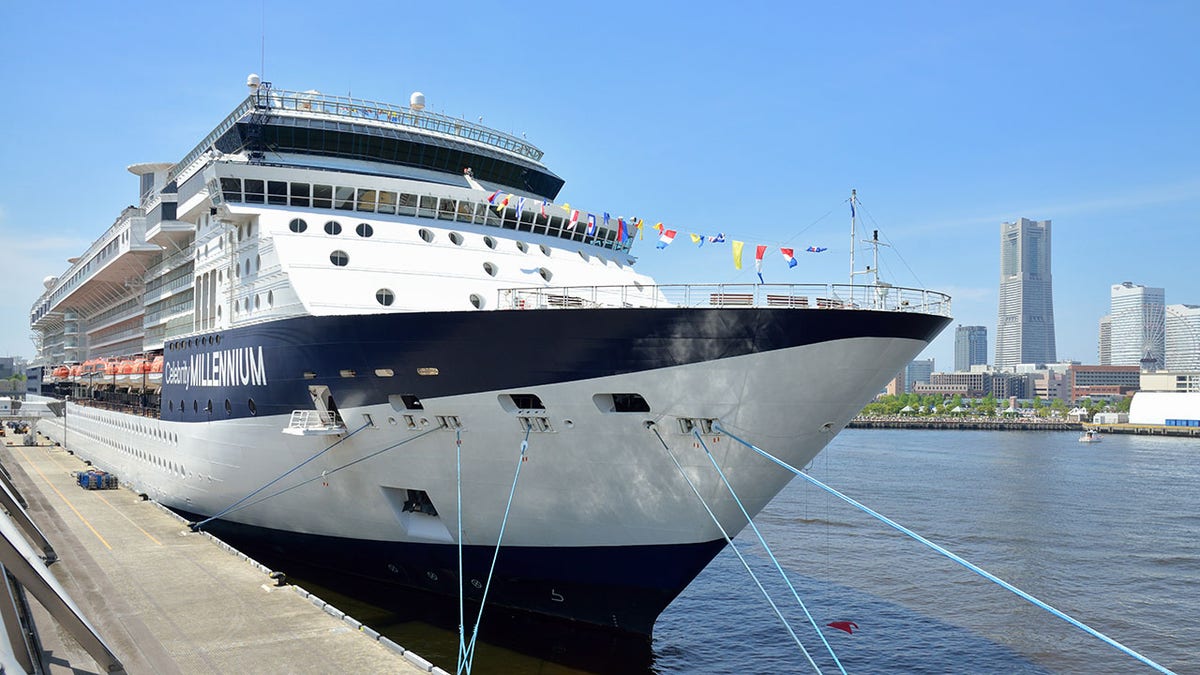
x=873 y=268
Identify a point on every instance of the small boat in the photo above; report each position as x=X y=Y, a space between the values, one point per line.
x=1089 y=436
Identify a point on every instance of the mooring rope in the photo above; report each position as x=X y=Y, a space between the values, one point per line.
x=961 y=561
x=462 y=591
x=330 y=472
x=729 y=541
x=470 y=651
x=762 y=540
x=285 y=474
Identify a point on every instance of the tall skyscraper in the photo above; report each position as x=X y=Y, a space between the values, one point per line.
x=1138 y=326
x=1104 y=348
x=1183 y=337
x=970 y=347
x=1025 y=324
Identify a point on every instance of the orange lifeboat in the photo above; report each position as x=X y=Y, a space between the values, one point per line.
x=129 y=373
x=76 y=372
x=154 y=378
x=62 y=373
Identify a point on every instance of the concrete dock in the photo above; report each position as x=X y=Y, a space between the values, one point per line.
x=169 y=600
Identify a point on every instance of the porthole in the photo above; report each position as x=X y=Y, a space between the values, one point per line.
x=181 y=406
x=489 y=242
x=523 y=246
x=333 y=227
x=347 y=373
x=490 y=269
x=270 y=299
x=246 y=304
x=364 y=230
x=477 y=300
x=297 y=225
x=253 y=408
x=171 y=406
x=546 y=274
x=247 y=267
x=426 y=235
x=257 y=263
x=195 y=406
x=339 y=258
x=218 y=311
x=257 y=302
x=584 y=256
x=456 y=238
x=545 y=249
x=385 y=297
x=208 y=407
x=384 y=372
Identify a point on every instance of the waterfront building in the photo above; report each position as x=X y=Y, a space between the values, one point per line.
x=1104 y=348
x=1175 y=380
x=1172 y=409
x=1183 y=337
x=918 y=370
x=970 y=347
x=7 y=367
x=1138 y=326
x=968 y=385
x=1025 y=323
x=1102 y=382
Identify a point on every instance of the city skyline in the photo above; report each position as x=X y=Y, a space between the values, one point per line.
x=702 y=133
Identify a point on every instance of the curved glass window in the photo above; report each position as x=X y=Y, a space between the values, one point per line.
x=385 y=297
x=364 y=230
x=298 y=225
x=456 y=238
x=426 y=235
x=490 y=269
x=333 y=227
x=339 y=258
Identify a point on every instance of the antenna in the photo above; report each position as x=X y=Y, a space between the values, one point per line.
x=262 y=48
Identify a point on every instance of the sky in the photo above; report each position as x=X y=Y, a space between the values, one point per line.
x=753 y=119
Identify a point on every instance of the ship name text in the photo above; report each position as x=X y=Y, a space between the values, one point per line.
x=240 y=366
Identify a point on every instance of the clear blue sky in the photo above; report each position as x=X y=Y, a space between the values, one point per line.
x=754 y=119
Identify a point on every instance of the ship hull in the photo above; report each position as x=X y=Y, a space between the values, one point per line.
x=603 y=528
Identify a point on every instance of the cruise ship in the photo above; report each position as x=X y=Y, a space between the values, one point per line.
x=367 y=336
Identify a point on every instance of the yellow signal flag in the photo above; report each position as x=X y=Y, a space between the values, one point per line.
x=737 y=254
x=658 y=226
x=696 y=239
x=566 y=207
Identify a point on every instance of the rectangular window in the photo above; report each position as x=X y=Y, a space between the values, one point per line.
x=446 y=209
x=366 y=200
x=300 y=194
x=277 y=192
x=322 y=196
x=254 y=191
x=387 y=202
x=231 y=188
x=408 y=204
x=343 y=199
x=481 y=210
x=465 y=210
x=428 y=207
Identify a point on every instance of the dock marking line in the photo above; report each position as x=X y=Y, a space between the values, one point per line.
x=122 y=514
x=64 y=498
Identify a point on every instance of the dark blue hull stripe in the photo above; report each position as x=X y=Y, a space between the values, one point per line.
x=621 y=588
x=480 y=351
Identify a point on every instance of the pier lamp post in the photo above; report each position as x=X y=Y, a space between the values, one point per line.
x=66 y=402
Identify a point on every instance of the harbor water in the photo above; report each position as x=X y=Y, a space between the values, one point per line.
x=1107 y=532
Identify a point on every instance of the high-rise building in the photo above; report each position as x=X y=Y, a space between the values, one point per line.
x=917 y=371
x=1025 y=323
x=970 y=347
x=1183 y=337
x=1104 y=348
x=1138 y=326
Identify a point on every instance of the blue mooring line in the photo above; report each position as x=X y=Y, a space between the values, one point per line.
x=961 y=561
x=729 y=540
x=762 y=540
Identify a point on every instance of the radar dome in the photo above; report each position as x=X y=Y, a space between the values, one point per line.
x=416 y=101
x=253 y=80
x=49 y=281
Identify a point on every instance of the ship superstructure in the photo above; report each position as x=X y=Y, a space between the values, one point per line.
x=366 y=291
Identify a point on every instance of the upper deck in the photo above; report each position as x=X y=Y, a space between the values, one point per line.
x=320 y=124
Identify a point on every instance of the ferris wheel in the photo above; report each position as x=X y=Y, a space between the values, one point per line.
x=1154 y=337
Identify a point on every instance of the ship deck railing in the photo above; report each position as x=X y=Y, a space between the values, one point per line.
x=315 y=423
x=776 y=296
